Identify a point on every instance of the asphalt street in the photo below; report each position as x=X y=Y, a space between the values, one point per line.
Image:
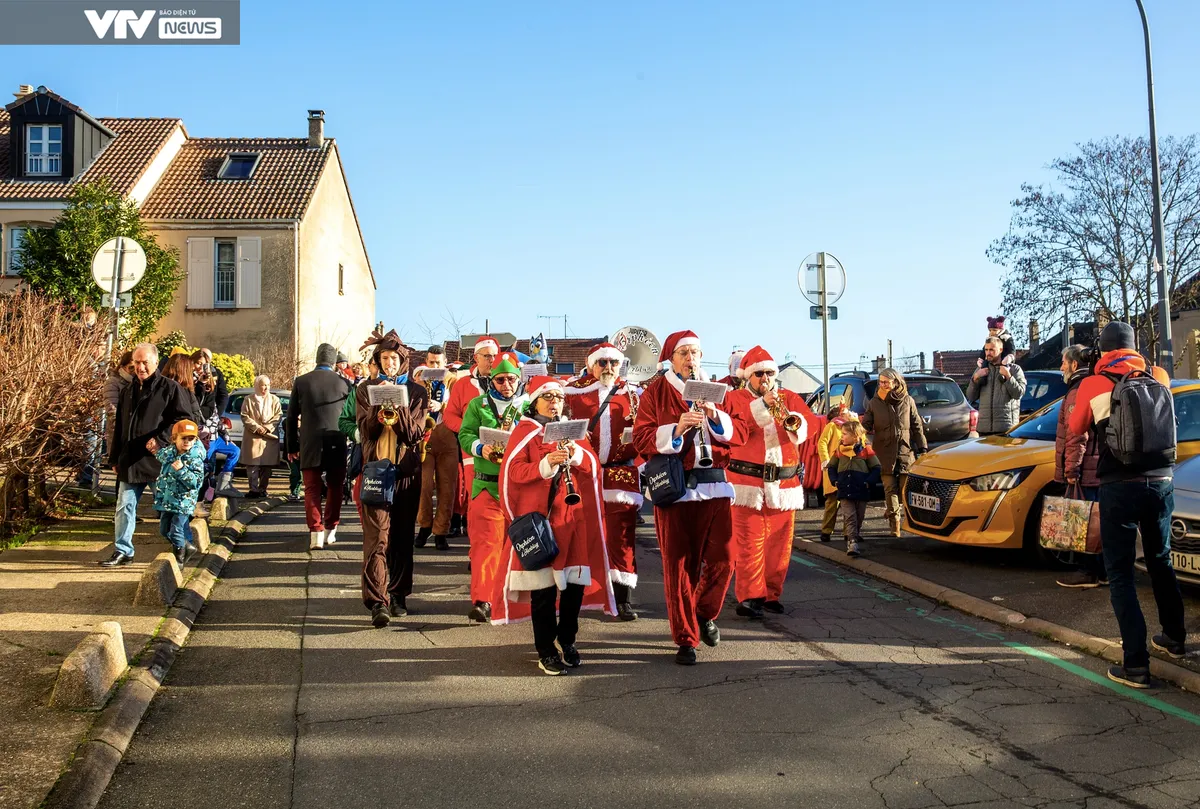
x=860 y=696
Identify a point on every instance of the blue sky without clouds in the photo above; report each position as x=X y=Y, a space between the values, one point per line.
x=669 y=164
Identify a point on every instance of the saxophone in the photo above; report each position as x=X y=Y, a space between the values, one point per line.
x=506 y=424
x=430 y=422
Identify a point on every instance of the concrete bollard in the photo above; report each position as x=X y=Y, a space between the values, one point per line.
x=87 y=675
x=159 y=582
x=220 y=509
x=200 y=536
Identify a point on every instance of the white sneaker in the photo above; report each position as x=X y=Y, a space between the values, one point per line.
x=316 y=540
x=330 y=535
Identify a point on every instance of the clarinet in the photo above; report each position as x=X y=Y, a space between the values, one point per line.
x=705 y=461
x=572 y=497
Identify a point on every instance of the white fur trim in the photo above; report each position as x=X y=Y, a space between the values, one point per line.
x=708 y=491
x=622 y=496
x=605 y=425
x=762 y=413
x=769 y=495
x=621 y=577
x=521 y=580
x=545 y=388
x=686 y=341
x=765 y=365
x=748 y=496
x=545 y=469
x=726 y=423
x=477 y=449
x=575 y=574
x=485 y=342
x=664 y=438
x=468 y=461
x=604 y=354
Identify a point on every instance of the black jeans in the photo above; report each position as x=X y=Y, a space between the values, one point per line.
x=1124 y=508
x=545 y=628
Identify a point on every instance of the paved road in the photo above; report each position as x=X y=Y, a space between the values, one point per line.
x=861 y=696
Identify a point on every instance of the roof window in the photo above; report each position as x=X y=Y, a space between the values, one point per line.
x=238 y=166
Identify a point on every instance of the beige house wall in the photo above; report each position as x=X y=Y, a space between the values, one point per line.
x=21 y=217
x=1187 y=354
x=329 y=236
x=236 y=331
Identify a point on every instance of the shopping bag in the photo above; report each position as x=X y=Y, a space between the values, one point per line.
x=1070 y=524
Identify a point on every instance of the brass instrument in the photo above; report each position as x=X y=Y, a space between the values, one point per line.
x=388 y=415
x=790 y=421
x=705 y=460
x=572 y=497
x=430 y=423
x=506 y=424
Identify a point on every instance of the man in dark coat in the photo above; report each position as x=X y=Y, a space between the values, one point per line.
x=314 y=439
x=149 y=406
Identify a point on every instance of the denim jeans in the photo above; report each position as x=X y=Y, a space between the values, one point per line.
x=173 y=525
x=125 y=519
x=230 y=450
x=1126 y=507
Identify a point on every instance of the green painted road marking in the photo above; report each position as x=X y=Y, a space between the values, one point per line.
x=1099 y=679
x=1040 y=654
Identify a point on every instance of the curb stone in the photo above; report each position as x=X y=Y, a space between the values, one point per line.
x=97 y=757
x=1103 y=648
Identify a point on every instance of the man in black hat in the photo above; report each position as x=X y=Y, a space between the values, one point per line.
x=1136 y=491
x=313 y=438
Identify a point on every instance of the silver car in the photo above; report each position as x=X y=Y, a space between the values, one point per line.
x=1185 y=523
x=233 y=413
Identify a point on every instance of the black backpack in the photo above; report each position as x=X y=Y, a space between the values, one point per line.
x=1141 y=422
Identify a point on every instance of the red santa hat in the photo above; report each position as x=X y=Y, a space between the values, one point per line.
x=604 y=351
x=756 y=359
x=486 y=342
x=996 y=322
x=675 y=341
x=537 y=385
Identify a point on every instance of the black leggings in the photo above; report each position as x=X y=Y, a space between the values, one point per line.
x=546 y=629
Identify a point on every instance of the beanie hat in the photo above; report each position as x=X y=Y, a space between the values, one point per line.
x=326 y=354
x=1117 y=334
x=996 y=322
x=604 y=351
x=185 y=427
x=677 y=340
x=342 y=357
x=539 y=385
x=756 y=359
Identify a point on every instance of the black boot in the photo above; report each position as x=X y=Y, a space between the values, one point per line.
x=440 y=542
x=456 y=525
x=422 y=537
x=625 y=611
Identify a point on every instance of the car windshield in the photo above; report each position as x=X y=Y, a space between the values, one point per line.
x=926 y=392
x=234 y=405
x=1041 y=428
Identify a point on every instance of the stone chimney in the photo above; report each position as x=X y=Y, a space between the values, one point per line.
x=316 y=129
x=1035 y=334
x=23 y=90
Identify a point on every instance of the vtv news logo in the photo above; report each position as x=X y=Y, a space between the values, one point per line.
x=122 y=22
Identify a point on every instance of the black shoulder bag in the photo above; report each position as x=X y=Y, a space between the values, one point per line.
x=532 y=537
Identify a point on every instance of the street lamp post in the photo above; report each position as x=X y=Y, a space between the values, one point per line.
x=1166 y=351
x=1066 y=341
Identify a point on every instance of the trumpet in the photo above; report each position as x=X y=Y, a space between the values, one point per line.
x=572 y=497
x=388 y=415
x=790 y=421
x=705 y=460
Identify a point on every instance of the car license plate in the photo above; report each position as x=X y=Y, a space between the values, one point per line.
x=925 y=501
x=1186 y=562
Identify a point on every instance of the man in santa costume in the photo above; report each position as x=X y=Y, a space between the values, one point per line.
x=498 y=409
x=768 y=485
x=610 y=404
x=443 y=444
x=695 y=533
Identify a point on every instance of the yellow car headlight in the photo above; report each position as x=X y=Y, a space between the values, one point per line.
x=1000 y=481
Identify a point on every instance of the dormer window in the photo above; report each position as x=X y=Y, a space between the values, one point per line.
x=43 y=150
x=238 y=166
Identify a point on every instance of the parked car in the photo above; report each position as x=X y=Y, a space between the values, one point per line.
x=989 y=491
x=1185 y=523
x=940 y=402
x=233 y=414
x=1041 y=388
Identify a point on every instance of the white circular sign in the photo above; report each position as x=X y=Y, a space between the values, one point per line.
x=809 y=278
x=133 y=264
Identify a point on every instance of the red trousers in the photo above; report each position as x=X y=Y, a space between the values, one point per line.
x=488 y=555
x=764 y=551
x=620 y=528
x=696 y=540
x=334 y=484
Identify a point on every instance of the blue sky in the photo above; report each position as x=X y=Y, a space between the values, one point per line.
x=669 y=164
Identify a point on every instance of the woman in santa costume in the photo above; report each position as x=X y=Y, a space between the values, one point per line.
x=768 y=486
x=579 y=574
x=695 y=533
x=609 y=404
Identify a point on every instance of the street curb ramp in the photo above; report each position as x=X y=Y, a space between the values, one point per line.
x=1103 y=648
x=96 y=759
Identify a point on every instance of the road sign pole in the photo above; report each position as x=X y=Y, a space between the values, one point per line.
x=821 y=295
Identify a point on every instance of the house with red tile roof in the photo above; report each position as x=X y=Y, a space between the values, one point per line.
x=265 y=228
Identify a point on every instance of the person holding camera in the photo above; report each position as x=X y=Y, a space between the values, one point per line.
x=1075 y=461
x=1130 y=405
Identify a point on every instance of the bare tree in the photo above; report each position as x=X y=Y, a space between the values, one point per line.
x=456 y=324
x=1089 y=244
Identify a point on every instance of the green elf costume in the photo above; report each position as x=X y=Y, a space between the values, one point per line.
x=484 y=514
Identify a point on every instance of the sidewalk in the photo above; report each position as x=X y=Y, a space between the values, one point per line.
x=52 y=594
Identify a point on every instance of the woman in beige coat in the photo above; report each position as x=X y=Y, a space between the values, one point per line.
x=261 y=414
x=899 y=438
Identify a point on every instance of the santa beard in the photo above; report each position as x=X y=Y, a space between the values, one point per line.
x=608 y=378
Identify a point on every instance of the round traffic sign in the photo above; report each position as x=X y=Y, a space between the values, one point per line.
x=809 y=278
x=132 y=260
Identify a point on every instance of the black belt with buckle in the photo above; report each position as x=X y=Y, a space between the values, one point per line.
x=486 y=478
x=770 y=473
x=697 y=476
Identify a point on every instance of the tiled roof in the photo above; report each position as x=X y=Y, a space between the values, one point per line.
x=123 y=161
x=282 y=185
x=569 y=349
x=959 y=365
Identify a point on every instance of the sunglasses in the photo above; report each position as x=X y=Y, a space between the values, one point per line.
x=505 y=380
x=608 y=363
x=764 y=373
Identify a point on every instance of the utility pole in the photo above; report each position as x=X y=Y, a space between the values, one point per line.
x=889 y=354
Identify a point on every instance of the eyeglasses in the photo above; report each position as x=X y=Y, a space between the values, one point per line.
x=484 y=356
x=688 y=351
x=553 y=397
x=505 y=380
x=608 y=363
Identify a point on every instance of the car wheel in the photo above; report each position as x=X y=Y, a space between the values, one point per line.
x=1030 y=545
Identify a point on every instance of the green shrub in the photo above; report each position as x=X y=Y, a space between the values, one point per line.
x=239 y=371
x=172 y=340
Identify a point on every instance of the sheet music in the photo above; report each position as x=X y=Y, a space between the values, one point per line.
x=394 y=395
x=574 y=430
x=492 y=437
x=532 y=369
x=696 y=391
x=434 y=375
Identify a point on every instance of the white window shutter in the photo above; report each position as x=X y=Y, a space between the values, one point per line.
x=201 y=274
x=249 y=273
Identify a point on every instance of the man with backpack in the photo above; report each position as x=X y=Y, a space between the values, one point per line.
x=1132 y=411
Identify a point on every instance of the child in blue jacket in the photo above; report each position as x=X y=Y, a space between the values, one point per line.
x=853 y=468
x=178 y=486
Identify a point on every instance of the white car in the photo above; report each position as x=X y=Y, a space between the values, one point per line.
x=233 y=414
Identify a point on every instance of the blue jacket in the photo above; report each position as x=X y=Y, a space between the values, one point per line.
x=176 y=490
x=853 y=474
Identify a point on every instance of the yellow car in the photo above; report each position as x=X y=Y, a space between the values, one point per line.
x=988 y=491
